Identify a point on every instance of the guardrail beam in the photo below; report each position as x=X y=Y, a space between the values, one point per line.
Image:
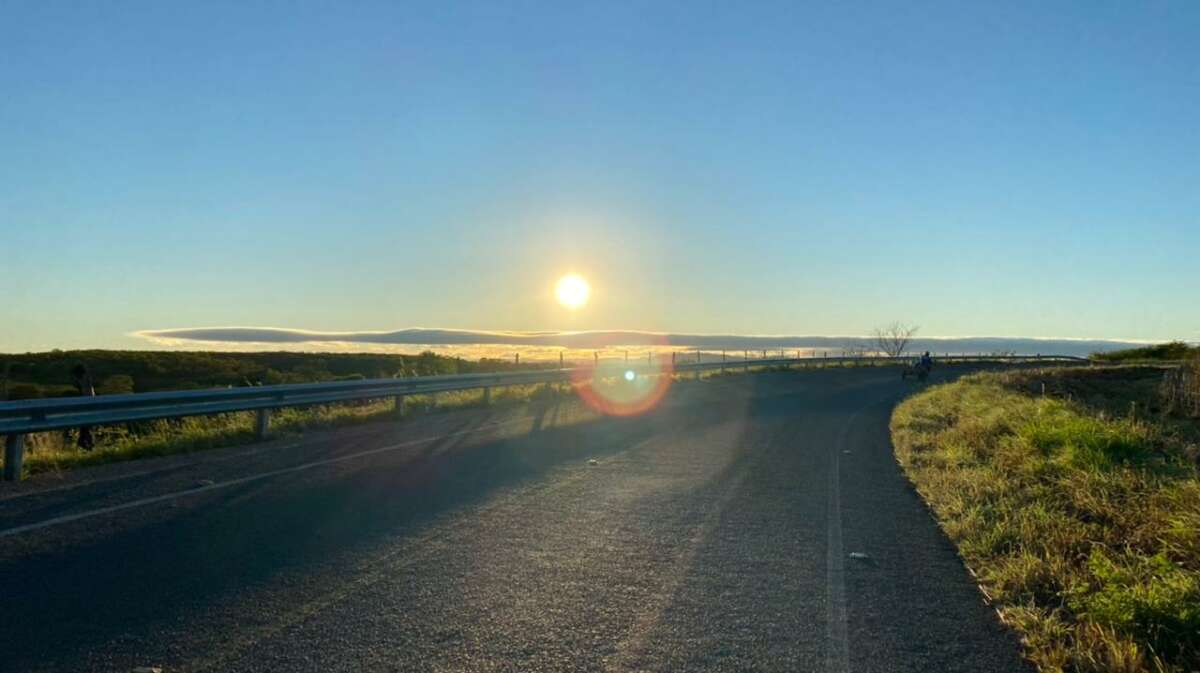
x=14 y=457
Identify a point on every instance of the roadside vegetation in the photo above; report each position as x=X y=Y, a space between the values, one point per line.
x=1074 y=496
x=36 y=375
x=52 y=451
x=39 y=375
x=1173 y=351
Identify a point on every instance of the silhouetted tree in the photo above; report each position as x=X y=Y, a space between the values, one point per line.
x=893 y=339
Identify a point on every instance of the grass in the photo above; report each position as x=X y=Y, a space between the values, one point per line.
x=1079 y=510
x=53 y=451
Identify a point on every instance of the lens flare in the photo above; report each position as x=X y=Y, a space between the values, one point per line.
x=618 y=387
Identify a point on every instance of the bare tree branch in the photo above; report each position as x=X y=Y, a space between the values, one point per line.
x=893 y=339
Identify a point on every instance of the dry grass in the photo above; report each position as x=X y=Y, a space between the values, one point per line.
x=52 y=451
x=1082 y=523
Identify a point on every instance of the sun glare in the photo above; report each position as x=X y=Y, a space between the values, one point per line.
x=572 y=291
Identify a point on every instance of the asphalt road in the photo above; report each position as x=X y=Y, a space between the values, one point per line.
x=714 y=533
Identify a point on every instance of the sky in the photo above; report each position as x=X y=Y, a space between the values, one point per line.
x=1017 y=168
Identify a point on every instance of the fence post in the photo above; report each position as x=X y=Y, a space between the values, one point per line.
x=14 y=457
x=262 y=423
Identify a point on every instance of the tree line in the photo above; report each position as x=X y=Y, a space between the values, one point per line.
x=48 y=374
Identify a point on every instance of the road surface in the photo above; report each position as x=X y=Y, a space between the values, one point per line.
x=720 y=532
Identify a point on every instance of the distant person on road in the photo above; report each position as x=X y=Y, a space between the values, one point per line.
x=927 y=361
x=83 y=383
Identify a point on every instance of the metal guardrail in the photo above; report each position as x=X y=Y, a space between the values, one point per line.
x=20 y=418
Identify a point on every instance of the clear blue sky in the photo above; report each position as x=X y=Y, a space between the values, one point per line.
x=1000 y=168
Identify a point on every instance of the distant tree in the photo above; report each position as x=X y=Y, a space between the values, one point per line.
x=893 y=339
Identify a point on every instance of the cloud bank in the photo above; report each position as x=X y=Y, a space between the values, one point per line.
x=257 y=338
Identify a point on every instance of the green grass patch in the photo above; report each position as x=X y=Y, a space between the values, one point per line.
x=1082 y=523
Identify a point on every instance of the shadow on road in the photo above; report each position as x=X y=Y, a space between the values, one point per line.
x=62 y=604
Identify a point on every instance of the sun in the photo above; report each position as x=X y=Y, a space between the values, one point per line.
x=572 y=291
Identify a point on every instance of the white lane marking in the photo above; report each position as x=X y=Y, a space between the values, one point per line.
x=837 y=641
x=837 y=649
x=67 y=518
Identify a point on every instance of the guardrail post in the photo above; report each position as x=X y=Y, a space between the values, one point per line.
x=487 y=395
x=14 y=457
x=398 y=406
x=262 y=423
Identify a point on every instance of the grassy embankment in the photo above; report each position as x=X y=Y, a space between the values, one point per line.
x=1074 y=496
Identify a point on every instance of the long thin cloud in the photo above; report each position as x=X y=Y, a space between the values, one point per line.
x=267 y=336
